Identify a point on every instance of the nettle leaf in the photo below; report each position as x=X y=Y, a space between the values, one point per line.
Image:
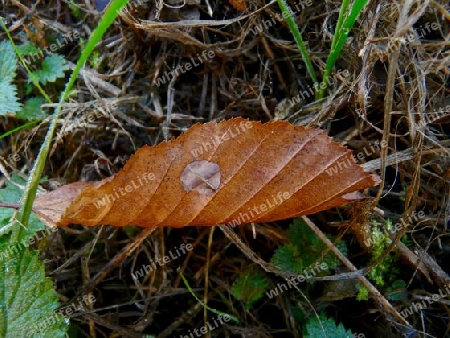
x=288 y=258
x=27 y=299
x=305 y=249
x=249 y=287
x=330 y=258
x=32 y=109
x=53 y=68
x=8 y=98
x=8 y=62
x=8 y=92
x=5 y=217
x=330 y=329
x=27 y=48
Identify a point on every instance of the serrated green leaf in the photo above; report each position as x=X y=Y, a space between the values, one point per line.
x=12 y=192
x=330 y=258
x=32 y=109
x=27 y=48
x=52 y=68
x=8 y=62
x=330 y=329
x=249 y=287
x=298 y=232
x=288 y=258
x=8 y=92
x=8 y=98
x=309 y=248
x=27 y=299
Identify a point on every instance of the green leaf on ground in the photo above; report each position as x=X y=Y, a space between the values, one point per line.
x=305 y=250
x=8 y=62
x=27 y=48
x=330 y=329
x=27 y=299
x=9 y=102
x=53 y=68
x=32 y=109
x=249 y=287
x=288 y=258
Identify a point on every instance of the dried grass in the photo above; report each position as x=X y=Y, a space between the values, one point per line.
x=399 y=83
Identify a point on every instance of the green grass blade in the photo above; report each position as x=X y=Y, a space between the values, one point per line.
x=339 y=40
x=341 y=17
x=203 y=304
x=23 y=126
x=298 y=38
x=30 y=190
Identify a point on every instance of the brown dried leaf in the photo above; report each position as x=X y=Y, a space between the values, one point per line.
x=234 y=172
x=240 y=5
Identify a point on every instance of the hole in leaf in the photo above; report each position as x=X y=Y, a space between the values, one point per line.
x=201 y=176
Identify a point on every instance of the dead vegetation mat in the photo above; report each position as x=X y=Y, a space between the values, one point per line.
x=397 y=91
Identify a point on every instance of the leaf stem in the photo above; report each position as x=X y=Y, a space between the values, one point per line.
x=206 y=306
x=10 y=205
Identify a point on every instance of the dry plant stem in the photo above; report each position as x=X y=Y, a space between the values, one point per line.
x=441 y=9
x=138 y=23
x=86 y=276
x=117 y=260
x=192 y=312
x=251 y=255
x=405 y=22
x=188 y=256
x=116 y=328
x=387 y=118
x=382 y=302
x=74 y=257
x=208 y=262
x=363 y=83
x=10 y=205
x=397 y=157
x=94 y=77
x=414 y=260
x=437 y=273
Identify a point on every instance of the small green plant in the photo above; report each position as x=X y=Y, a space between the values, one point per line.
x=385 y=273
x=302 y=256
x=325 y=327
x=305 y=250
x=51 y=69
x=48 y=70
x=249 y=287
x=75 y=10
